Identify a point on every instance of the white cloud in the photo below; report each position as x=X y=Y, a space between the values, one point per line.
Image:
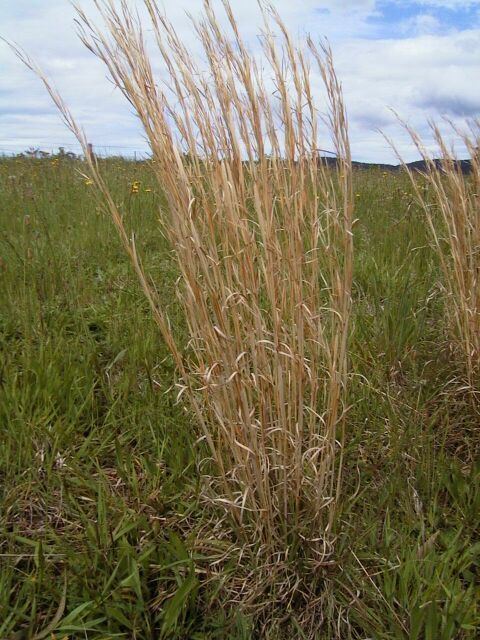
x=415 y=76
x=422 y=24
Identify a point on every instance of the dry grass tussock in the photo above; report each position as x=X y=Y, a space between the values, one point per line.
x=452 y=207
x=262 y=235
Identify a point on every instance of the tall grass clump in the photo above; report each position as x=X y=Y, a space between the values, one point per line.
x=450 y=200
x=261 y=231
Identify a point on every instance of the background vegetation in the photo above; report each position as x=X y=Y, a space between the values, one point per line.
x=97 y=466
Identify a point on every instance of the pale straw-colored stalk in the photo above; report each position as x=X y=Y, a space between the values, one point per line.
x=450 y=199
x=261 y=230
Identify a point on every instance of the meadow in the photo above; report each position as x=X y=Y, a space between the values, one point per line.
x=100 y=511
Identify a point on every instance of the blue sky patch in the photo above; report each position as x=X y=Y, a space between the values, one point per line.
x=403 y=19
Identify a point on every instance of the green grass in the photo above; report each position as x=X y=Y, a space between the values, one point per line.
x=99 y=483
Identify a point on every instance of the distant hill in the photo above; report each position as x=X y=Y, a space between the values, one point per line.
x=465 y=166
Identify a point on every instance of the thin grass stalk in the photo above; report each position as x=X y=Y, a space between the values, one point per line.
x=261 y=231
x=452 y=208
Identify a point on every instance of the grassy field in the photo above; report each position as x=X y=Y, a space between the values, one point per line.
x=98 y=464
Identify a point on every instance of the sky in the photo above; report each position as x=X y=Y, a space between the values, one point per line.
x=421 y=59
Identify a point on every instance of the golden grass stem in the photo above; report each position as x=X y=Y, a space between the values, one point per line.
x=450 y=200
x=261 y=230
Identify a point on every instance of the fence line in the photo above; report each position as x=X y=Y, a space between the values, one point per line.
x=102 y=151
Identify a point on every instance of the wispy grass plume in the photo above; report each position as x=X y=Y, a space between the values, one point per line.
x=261 y=230
x=450 y=199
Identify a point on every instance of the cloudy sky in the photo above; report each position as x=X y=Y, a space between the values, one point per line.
x=421 y=58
